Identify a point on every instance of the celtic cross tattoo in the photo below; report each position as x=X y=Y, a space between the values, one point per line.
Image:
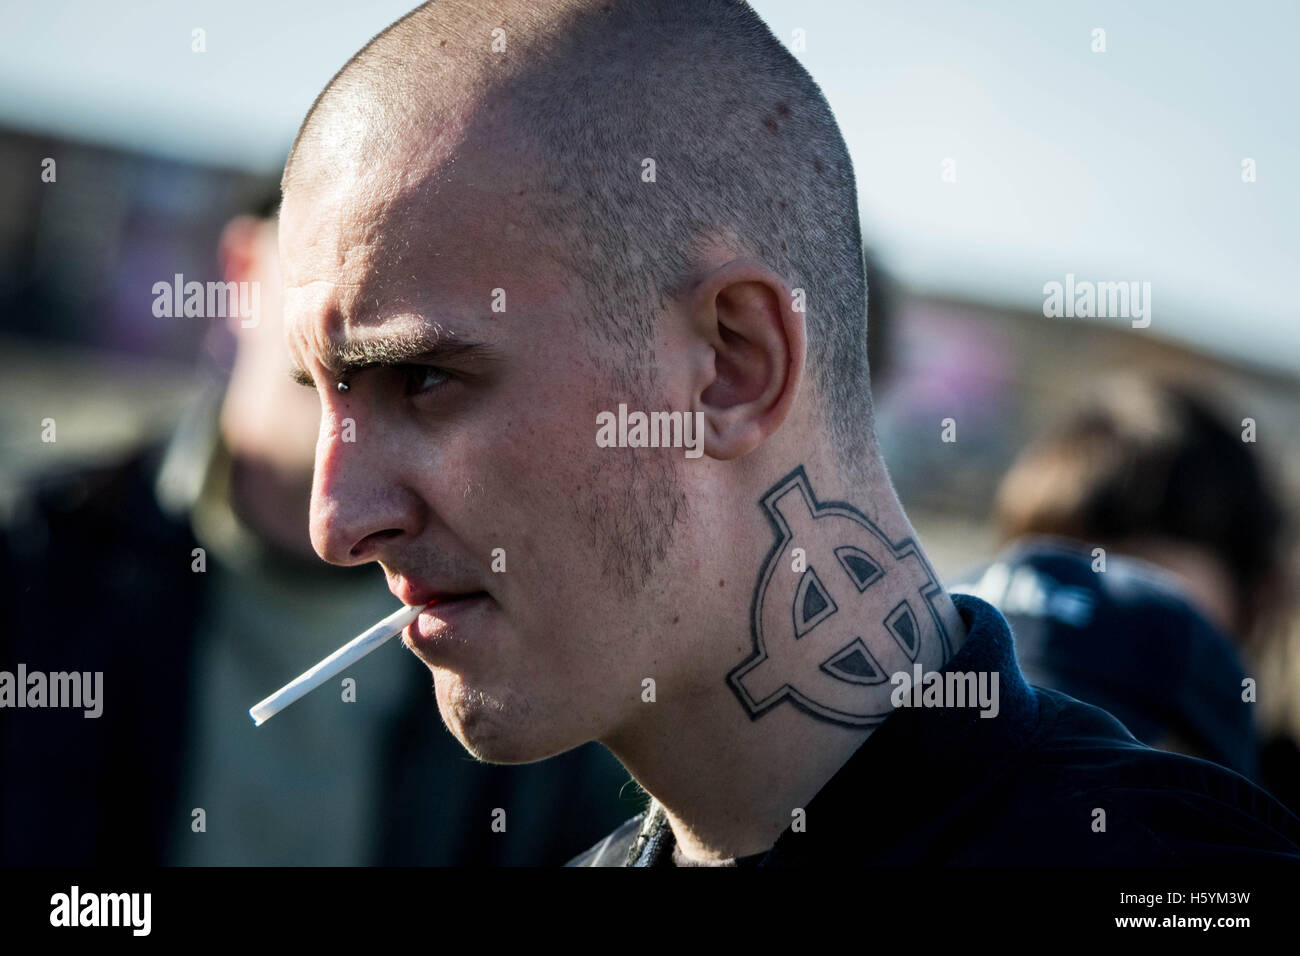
x=847 y=561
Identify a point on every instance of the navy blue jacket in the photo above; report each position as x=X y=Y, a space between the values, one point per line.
x=1126 y=640
x=947 y=786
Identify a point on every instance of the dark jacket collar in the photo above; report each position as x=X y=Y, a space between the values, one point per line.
x=910 y=766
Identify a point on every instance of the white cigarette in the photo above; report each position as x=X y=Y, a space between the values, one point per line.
x=345 y=656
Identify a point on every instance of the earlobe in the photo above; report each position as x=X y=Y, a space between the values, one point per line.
x=757 y=338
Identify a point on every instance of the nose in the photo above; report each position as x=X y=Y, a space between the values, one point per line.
x=360 y=506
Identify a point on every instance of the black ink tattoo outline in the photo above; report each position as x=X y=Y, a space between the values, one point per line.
x=906 y=548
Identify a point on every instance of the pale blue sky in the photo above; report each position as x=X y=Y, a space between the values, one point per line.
x=1123 y=165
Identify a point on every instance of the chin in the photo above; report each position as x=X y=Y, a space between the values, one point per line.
x=494 y=727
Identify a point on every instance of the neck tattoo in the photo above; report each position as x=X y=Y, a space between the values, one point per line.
x=837 y=610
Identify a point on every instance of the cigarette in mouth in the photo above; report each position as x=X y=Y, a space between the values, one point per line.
x=345 y=656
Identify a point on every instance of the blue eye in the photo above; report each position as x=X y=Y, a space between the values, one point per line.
x=424 y=378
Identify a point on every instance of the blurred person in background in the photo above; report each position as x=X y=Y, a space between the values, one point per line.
x=1144 y=563
x=186 y=575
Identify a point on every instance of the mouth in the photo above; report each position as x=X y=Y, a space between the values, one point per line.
x=443 y=622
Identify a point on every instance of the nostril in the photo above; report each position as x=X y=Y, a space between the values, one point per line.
x=367 y=543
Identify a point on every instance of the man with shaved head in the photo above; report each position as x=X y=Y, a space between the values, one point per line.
x=580 y=288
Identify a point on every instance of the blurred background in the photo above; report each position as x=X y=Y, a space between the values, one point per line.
x=998 y=147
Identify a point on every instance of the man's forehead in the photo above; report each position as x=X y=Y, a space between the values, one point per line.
x=340 y=232
x=364 y=260
x=346 y=306
x=416 y=243
x=417 y=180
x=458 y=220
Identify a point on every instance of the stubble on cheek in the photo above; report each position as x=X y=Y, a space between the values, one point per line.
x=627 y=510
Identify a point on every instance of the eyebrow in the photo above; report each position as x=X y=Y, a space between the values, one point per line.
x=431 y=346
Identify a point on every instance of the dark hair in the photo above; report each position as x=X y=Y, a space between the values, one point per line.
x=257 y=196
x=266 y=205
x=1153 y=459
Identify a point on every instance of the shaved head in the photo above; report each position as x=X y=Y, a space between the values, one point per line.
x=514 y=236
x=636 y=133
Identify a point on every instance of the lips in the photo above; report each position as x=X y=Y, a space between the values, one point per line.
x=449 y=603
x=447 y=606
x=442 y=624
x=419 y=594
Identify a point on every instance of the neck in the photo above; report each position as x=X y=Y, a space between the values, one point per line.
x=790 y=692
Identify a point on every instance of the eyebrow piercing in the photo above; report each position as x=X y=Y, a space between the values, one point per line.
x=343 y=386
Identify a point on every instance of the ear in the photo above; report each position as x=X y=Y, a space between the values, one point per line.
x=239 y=253
x=745 y=313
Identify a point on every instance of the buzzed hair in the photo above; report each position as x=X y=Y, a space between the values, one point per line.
x=743 y=144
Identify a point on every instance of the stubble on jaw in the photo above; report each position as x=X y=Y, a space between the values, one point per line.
x=486 y=725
